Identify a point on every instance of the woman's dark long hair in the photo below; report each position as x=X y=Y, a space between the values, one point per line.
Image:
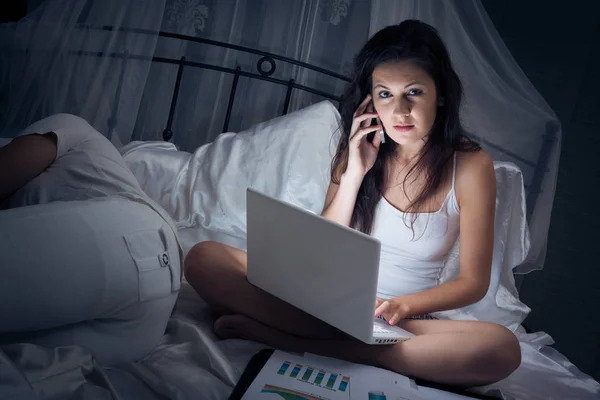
x=419 y=43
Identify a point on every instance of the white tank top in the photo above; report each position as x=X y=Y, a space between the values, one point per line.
x=413 y=264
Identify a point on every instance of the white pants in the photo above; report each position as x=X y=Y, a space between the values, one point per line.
x=102 y=274
x=100 y=271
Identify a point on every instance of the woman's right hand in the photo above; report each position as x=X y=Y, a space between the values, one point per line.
x=362 y=153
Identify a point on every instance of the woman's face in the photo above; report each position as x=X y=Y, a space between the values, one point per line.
x=405 y=99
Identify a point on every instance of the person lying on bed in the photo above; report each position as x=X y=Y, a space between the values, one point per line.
x=426 y=175
x=91 y=260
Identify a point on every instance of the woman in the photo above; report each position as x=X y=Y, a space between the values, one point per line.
x=414 y=181
x=87 y=258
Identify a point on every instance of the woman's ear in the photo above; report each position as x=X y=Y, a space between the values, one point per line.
x=440 y=102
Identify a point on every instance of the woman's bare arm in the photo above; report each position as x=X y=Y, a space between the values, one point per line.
x=340 y=199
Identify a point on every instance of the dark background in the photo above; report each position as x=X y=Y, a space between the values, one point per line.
x=557 y=44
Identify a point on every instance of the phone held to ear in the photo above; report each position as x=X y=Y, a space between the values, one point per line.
x=381 y=134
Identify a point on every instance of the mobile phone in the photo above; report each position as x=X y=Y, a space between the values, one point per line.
x=374 y=122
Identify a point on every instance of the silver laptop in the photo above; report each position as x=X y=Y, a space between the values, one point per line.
x=323 y=268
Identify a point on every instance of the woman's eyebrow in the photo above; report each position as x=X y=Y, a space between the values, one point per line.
x=381 y=85
x=385 y=87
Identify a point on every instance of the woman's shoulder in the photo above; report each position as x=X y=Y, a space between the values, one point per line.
x=467 y=161
x=474 y=173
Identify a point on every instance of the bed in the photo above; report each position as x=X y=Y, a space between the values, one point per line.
x=287 y=157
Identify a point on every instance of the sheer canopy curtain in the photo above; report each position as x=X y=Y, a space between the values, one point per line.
x=49 y=64
x=42 y=75
x=502 y=109
x=325 y=33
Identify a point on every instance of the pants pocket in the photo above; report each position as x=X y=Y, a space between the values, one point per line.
x=157 y=260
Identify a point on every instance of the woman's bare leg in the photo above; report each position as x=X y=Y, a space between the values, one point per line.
x=462 y=353
x=218 y=274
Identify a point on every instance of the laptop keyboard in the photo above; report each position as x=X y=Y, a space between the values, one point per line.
x=381 y=329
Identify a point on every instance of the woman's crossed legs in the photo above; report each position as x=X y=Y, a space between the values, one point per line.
x=466 y=353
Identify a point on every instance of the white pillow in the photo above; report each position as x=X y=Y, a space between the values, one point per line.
x=288 y=158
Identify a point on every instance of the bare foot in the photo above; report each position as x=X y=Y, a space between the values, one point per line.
x=230 y=326
x=237 y=326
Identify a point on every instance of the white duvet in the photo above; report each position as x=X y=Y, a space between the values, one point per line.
x=205 y=194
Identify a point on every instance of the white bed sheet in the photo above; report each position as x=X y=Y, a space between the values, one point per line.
x=192 y=363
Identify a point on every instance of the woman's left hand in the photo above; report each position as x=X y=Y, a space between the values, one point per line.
x=393 y=310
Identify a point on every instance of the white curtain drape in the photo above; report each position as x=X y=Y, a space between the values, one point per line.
x=324 y=33
x=41 y=74
x=57 y=60
x=43 y=77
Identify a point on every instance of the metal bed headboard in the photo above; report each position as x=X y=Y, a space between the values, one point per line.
x=540 y=167
x=263 y=73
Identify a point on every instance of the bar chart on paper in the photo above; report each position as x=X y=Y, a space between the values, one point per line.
x=315 y=376
x=296 y=381
x=288 y=376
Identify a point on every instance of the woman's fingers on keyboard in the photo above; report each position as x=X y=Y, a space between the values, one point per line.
x=381 y=307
